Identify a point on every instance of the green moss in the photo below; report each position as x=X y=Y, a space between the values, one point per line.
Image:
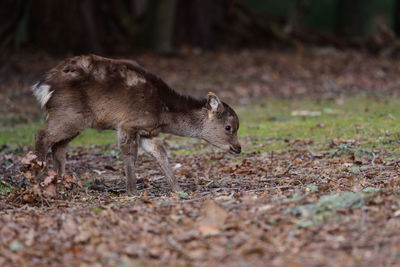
x=327 y=206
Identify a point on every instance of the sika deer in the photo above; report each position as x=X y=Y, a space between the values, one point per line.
x=95 y=92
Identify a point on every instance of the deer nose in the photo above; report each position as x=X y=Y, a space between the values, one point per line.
x=236 y=149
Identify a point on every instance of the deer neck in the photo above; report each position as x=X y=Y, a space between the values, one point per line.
x=181 y=115
x=183 y=123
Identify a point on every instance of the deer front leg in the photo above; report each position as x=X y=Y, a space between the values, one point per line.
x=128 y=143
x=156 y=148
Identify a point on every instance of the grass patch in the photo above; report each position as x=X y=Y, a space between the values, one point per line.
x=373 y=122
x=20 y=135
x=5 y=189
x=24 y=135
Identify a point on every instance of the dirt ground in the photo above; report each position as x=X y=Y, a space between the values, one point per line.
x=290 y=207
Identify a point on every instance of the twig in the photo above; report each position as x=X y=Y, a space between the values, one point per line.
x=19 y=196
x=209 y=183
x=286 y=171
x=270 y=188
x=272 y=158
x=194 y=199
x=9 y=166
x=373 y=159
x=273 y=178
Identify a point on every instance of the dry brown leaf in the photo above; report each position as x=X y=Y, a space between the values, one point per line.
x=212 y=219
x=50 y=191
x=82 y=237
x=51 y=176
x=29 y=158
x=69 y=227
x=37 y=190
x=30 y=237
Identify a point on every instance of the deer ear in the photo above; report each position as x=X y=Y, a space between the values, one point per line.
x=213 y=102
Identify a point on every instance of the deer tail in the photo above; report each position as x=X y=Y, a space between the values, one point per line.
x=42 y=92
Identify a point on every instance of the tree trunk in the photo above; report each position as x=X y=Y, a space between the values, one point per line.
x=195 y=22
x=397 y=17
x=87 y=8
x=349 y=19
x=164 y=26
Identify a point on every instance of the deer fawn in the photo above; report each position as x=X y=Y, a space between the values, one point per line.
x=94 y=92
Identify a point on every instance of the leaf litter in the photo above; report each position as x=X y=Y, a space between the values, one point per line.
x=297 y=207
x=294 y=207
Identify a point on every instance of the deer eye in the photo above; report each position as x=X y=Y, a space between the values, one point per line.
x=228 y=127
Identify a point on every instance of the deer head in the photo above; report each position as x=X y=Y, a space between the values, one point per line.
x=220 y=125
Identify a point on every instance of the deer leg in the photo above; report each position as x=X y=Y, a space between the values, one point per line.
x=59 y=155
x=128 y=143
x=42 y=144
x=156 y=148
x=57 y=135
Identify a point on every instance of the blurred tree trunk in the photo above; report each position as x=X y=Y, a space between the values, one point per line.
x=164 y=26
x=349 y=19
x=65 y=25
x=195 y=22
x=397 y=17
x=89 y=19
x=13 y=22
x=138 y=7
x=298 y=9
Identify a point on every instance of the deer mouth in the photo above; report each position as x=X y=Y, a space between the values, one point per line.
x=235 y=149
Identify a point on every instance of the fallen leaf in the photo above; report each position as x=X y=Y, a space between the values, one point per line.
x=50 y=191
x=212 y=219
x=51 y=176
x=30 y=237
x=82 y=237
x=29 y=158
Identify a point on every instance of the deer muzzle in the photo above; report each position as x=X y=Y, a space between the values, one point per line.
x=235 y=149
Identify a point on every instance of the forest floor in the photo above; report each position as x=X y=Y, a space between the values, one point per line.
x=317 y=183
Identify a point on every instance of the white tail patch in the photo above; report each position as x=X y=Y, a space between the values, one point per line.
x=42 y=93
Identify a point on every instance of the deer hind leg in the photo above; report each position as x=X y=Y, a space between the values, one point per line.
x=128 y=143
x=57 y=135
x=59 y=151
x=42 y=144
x=155 y=147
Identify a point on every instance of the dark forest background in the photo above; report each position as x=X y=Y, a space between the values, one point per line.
x=169 y=26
